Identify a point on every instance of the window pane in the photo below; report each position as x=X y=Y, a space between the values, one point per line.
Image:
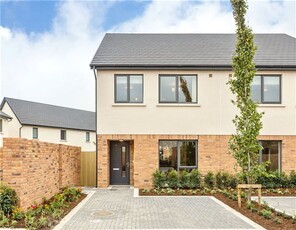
x=87 y=136
x=63 y=135
x=121 y=88
x=271 y=89
x=168 y=89
x=0 y=125
x=256 y=89
x=35 y=133
x=168 y=155
x=136 y=89
x=188 y=153
x=123 y=161
x=271 y=153
x=187 y=89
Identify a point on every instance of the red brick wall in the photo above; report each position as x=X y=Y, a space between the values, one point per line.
x=213 y=155
x=69 y=165
x=39 y=169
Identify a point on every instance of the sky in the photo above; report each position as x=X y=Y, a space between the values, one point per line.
x=46 y=46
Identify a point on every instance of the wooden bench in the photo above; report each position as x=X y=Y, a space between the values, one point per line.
x=248 y=186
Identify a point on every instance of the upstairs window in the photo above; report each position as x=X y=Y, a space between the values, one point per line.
x=178 y=89
x=1 y=128
x=128 y=88
x=266 y=89
x=63 y=135
x=35 y=133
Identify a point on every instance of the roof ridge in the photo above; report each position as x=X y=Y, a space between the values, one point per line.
x=59 y=106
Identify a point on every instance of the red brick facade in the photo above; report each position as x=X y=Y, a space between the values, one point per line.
x=38 y=169
x=212 y=155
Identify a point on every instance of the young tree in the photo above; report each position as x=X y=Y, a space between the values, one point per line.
x=244 y=145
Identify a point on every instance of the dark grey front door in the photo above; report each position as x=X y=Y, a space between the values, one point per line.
x=119 y=162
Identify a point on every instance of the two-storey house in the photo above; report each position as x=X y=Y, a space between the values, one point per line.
x=49 y=123
x=163 y=102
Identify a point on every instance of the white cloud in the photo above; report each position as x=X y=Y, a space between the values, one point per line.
x=53 y=67
x=268 y=16
x=181 y=17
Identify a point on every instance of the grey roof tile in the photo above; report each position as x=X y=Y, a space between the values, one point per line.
x=39 y=114
x=189 y=50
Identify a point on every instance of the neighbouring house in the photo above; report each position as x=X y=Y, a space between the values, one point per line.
x=49 y=123
x=4 y=119
x=163 y=103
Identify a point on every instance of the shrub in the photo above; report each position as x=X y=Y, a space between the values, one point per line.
x=17 y=213
x=292 y=179
x=8 y=199
x=226 y=180
x=4 y=221
x=209 y=180
x=195 y=178
x=71 y=194
x=219 y=180
x=173 y=179
x=185 y=179
x=266 y=214
x=232 y=181
x=159 y=179
x=276 y=179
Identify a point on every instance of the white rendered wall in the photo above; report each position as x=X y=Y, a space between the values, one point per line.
x=52 y=135
x=4 y=132
x=13 y=126
x=213 y=114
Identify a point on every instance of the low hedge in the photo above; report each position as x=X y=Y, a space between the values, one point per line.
x=173 y=179
x=221 y=180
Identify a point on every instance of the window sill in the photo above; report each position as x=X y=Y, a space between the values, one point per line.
x=177 y=105
x=128 y=105
x=63 y=140
x=271 y=105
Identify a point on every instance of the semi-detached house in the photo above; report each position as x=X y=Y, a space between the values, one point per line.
x=163 y=102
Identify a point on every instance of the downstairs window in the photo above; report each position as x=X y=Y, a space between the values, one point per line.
x=177 y=155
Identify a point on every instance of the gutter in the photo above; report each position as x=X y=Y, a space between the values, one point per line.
x=96 y=111
x=190 y=67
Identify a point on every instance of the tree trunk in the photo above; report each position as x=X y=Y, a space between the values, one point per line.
x=249 y=181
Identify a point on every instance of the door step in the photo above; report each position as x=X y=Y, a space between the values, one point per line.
x=120 y=187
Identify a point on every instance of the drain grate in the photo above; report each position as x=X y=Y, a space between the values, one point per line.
x=103 y=213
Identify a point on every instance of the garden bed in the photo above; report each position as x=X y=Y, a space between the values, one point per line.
x=262 y=215
x=46 y=215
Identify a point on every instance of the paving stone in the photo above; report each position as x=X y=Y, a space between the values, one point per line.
x=153 y=213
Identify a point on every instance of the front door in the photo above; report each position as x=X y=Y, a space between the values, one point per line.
x=119 y=162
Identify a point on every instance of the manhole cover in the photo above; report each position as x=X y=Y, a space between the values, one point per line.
x=102 y=213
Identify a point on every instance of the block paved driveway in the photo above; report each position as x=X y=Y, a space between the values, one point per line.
x=119 y=209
